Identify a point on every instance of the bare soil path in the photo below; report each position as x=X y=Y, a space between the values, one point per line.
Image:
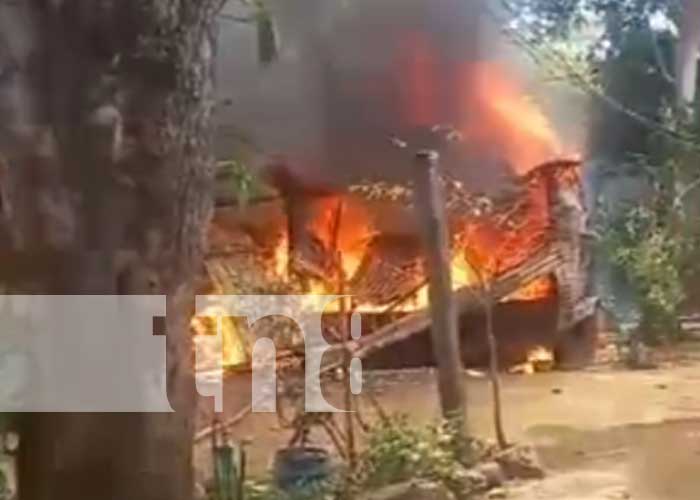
x=602 y=434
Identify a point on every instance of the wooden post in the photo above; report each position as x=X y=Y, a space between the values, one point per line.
x=345 y=311
x=430 y=208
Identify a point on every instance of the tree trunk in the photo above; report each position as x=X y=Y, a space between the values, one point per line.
x=494 y=375
x=686 y=56
x=687 y=51
x=430 y=208
x=105 y=140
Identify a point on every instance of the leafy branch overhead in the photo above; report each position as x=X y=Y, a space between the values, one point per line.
x=556 y=20
x=587 y=43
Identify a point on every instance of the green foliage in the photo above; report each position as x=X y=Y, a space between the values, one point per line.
x=651 y=252
x=244 y=184
x=654 y=241
x=397 y=451
x=267 y=490
x=599 y=47
x=550 y=20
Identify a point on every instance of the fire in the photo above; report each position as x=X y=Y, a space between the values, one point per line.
x=484 y=99
x=343 y=228
x=495 y=117
x=539 y=359
x=281 y=256
x=510 y=123
x=462 y=276
x=353 y=232
x=233 y=347
x=353 y=244
x=538 y=289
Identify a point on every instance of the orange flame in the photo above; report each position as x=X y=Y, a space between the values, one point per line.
x=354 y=231
x=497 y=114
x=538 y=289
x=207 y=323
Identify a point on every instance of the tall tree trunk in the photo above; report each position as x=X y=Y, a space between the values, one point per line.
x=687 y=51
x=686 y=56
x=105 y=138
x=430 y=207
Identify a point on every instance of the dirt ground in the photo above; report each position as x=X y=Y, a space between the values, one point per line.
x=603 y=433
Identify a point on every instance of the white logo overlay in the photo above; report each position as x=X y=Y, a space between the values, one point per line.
x=306 y=311
x=99 y=353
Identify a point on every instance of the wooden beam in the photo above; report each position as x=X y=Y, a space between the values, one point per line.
x=541 y=264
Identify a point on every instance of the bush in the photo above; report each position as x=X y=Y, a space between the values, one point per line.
x=651 y=255
x=267 y=490
x=397 y=452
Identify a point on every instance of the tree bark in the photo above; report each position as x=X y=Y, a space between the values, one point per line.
x=430 y=208
x=687 y=51
x=494 y=374
x=105 y=145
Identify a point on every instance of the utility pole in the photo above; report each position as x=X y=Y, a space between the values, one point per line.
x=430 y=209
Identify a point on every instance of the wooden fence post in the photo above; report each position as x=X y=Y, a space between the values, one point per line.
x=430 y=208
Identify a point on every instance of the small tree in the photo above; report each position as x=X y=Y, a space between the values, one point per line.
x=514 y=226
x=485 y=296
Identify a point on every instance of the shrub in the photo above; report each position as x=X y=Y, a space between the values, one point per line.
x=397 y=451
x=651 y=255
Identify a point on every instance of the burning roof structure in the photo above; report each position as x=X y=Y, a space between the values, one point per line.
x=529 y=243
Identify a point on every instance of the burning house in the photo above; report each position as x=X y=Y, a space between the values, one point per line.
x=355 y=95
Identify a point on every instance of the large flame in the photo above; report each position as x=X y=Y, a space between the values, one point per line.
x=343 y=226
x=492 y=110
x=210 y=322
x=480 y=253
x=498 y=114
